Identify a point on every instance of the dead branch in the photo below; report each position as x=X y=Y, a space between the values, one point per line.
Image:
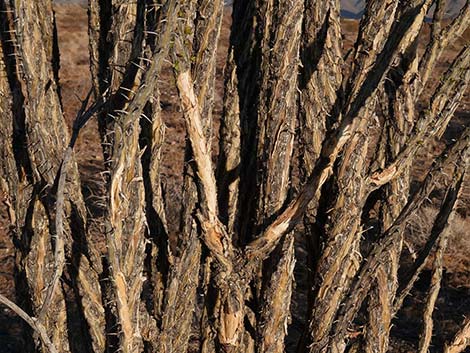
x=199 y=144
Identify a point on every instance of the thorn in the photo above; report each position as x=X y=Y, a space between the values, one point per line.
x=146 y=117
x=145 y=59
x=126 y=89
x=140 y=67
x=151 y=32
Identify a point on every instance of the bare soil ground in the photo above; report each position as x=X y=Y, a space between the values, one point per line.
x=454 y=299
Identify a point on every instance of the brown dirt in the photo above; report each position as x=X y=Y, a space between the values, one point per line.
x=75 y=82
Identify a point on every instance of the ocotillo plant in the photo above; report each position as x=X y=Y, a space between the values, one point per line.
x=311 y=141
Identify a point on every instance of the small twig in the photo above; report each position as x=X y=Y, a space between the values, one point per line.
x=31 y=321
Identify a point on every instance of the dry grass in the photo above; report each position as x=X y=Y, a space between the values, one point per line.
x=456 y=257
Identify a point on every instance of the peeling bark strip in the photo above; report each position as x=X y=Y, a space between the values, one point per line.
x=185 y=35
x=199 y=145
x=215 y=237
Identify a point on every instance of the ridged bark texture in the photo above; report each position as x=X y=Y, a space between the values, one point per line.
x=116 y=37
x=339 y=260
x=228 y=286
x=397 y=109
x=321 y=55
x=277 y=114
x=38 y=142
